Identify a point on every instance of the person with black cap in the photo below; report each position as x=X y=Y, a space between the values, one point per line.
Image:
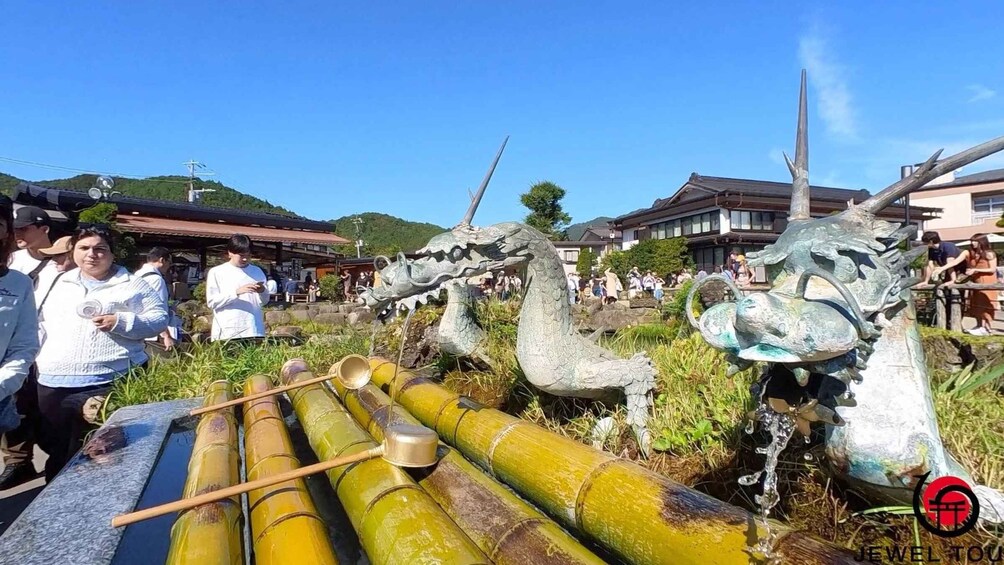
x=31 y=233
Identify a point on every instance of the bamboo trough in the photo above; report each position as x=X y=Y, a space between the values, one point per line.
x=397 y=522
x=212 y=533
x=285 y=525
x=507 y=529
x=641 y=516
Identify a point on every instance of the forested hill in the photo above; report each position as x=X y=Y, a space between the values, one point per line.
x=163 y=188
x=383 y=234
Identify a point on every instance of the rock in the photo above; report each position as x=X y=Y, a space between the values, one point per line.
x=299 y=306
x=594 y=307
x=613 y=319
x=951 y=352
x=644 y=301
x=291 y=331
x=361 y=316
x=619 y=305
x=202 y=324
x=277 y=317
x=346 y=307
x=328 y=309
x=335 y=319
x=192 y=307
x=302 y=314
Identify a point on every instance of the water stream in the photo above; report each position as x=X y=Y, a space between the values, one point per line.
x=781 y=427
x=397 y=366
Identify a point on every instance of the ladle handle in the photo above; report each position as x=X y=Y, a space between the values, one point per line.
x=235 y=490
x=260 y=395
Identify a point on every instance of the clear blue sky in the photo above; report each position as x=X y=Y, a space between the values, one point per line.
x=331 y=108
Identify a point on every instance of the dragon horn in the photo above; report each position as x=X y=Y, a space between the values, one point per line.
x=484 y=184
x=930 y=170
x=800 y=168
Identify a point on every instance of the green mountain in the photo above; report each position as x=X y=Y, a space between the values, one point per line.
x=575 y=231
x=7 y=184
x=174 y=187
x=383 y=234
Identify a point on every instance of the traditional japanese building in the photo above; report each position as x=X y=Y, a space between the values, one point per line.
x=718 y=215
x=287 y=244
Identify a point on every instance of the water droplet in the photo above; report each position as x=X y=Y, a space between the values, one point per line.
x=847 y=395
x=807 y=439
x=749 y=428
x=808 y=456
x=749 y=480
x=761 y=450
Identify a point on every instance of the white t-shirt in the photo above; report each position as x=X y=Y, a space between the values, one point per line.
x=22 y=261
x=235 y=315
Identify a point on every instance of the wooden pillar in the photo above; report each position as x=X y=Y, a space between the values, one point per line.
x=203 y=259
x=955 y=310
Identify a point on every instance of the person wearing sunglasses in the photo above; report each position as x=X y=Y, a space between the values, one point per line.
x=18 y=346
x=93 y=325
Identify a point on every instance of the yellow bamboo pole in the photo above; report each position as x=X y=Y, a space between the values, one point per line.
x=285 y=526
x=396 y=521
x=507 y=529
x=211 y=534
x=643 y=517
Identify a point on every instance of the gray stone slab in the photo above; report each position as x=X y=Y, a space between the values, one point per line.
x=70 y=521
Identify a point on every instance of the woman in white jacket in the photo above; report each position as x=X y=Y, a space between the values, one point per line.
x=18 y=330
x=93 y=325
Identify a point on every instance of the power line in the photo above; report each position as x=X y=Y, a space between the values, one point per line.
x=89 y=172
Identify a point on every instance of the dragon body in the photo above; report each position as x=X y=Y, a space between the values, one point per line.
x=839 y=337
x=551 y=353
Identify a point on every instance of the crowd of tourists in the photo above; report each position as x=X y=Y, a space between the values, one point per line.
x=74 y=321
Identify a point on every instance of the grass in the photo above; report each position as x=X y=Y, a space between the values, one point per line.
x=188 y=374
x=696 y=422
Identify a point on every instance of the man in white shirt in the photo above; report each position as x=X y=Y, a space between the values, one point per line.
x=158 y=264
x=31 y=232
x=236 y=292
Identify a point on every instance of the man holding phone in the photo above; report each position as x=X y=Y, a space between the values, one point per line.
x=236 y=292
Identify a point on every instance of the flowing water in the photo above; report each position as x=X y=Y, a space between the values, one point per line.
x=400 y=355
x=781 y=427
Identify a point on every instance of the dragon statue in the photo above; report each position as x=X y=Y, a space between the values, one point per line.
x=552 y=354
x=839 y=338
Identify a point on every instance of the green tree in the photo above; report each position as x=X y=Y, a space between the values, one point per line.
x=331 y=288
x=587 y=260
x=100 y=213
x=546 y=216
x=661 y=256
x=618 y=262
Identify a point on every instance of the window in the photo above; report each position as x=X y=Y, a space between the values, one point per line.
x=987 y=207
x=571 y=255
x=756 y=221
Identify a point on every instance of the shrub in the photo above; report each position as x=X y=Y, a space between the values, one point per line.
x=199 y=292
x=331 y=288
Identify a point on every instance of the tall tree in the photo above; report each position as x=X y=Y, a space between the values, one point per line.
x=661 y=256
x=544 y=202
x=587 y=260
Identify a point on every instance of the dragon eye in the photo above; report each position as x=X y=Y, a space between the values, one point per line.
x=456 y=253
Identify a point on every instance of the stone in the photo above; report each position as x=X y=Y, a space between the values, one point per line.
x=333 y=319
x=302 y=314
x=291 y=331
x=644 y=301
x=361 y=316
x=298 y=306
x=328 y=309
x=107 y=482
x=202 y=324
x=619 y=305
x=277 y=317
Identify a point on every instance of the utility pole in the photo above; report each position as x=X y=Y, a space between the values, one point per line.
x=196 y=195
x=357 y=221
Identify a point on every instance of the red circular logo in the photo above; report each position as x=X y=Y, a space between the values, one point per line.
x=946 y=503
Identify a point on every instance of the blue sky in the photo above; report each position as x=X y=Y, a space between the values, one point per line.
x=398 y=107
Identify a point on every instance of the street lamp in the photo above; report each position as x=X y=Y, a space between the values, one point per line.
x=102 y=189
